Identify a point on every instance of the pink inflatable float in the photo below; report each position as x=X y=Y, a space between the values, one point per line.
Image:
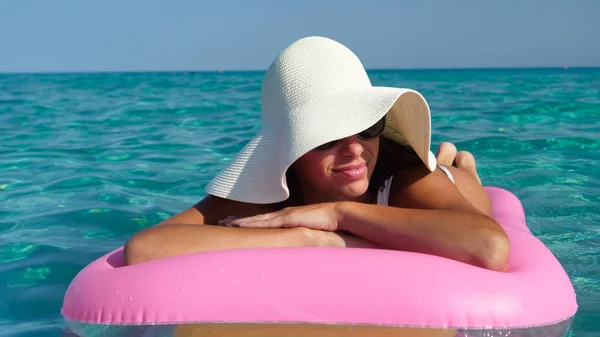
x=327 y=291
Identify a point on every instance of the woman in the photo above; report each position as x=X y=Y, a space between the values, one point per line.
x=340 y=163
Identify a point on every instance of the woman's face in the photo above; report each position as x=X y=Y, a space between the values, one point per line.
x=338 y=173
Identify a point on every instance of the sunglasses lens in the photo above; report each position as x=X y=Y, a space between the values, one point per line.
x=370 y=133
x=374 y=130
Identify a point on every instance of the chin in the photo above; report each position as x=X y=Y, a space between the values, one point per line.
x=355 y=189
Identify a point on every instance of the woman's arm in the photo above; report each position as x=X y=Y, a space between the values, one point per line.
x=178 y=239
x=430 y=216
x=460 y=235
x=194 y=231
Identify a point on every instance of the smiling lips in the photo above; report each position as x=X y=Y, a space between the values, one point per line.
x=355 y=171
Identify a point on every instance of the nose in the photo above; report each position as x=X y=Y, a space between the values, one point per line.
x=351 y=146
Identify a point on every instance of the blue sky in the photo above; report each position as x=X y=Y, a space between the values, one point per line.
x=136 y=35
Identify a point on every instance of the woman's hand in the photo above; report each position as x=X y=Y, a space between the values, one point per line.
x=322 y=216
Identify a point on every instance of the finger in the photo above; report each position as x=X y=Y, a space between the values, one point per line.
x=260 y=217
x=223 y=223
x=275 y=222
x=227 y=221
x=258 y=224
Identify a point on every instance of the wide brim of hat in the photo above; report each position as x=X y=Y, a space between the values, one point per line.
x=257 y=173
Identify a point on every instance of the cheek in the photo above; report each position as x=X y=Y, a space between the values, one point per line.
x=373 y=149
x=312 y=167
x=373 y=153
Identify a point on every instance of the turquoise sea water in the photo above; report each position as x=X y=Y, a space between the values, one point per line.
x=86 y=160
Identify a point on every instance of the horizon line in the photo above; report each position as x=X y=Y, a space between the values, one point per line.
x=174 y=71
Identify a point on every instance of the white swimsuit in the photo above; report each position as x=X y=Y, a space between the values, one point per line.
x=383 y=195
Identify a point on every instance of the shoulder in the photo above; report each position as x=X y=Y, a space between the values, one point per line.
x=420 y=188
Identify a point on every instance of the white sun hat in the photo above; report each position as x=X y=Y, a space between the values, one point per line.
x=317 y=91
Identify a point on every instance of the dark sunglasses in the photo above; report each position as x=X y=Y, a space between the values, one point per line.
x=370 y=133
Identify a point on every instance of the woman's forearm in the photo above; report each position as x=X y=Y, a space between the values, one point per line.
x=177 y=239
x=464 y=236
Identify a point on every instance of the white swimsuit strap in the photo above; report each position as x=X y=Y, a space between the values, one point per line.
x=383 y=194
x=447 y=172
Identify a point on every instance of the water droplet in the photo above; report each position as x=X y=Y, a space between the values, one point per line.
x=116 y=292
x=122 y=301
x=76 y=290
x=181 y=290
x=221 y=270
x=130 y=299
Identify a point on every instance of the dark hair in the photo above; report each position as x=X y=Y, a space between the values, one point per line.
x=392 y=158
